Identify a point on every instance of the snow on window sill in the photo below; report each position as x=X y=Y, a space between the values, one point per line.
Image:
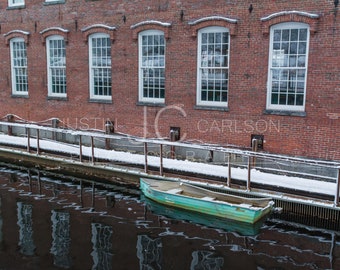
x=150 y=104
x=285 y=113
x=211 y=108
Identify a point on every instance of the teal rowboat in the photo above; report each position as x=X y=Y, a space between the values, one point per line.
x=185 y=196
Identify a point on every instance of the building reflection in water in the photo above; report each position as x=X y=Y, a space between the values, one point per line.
x=61 y=238
x=102 y=246
x=203 y=259
x=26 y=243
x=83 y=237
x=149 y=252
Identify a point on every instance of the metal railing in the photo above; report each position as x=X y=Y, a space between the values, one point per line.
x=39 y=132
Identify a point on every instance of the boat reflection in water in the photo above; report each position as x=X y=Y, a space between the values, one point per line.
x=243 y=228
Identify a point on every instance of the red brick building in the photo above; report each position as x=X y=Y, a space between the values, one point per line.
x=220 y=71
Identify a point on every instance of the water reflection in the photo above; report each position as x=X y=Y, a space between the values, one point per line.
x=72 y=225
x=204 y=260
x=149 y=252
x=207 y=220
x=61 y=238
x=102 y=246
x=25 y=222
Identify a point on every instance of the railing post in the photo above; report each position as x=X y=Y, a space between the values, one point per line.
x=249 y=172
x=55 y=124
x=10 y=118
x=38 y=142
x=92 y=150
x=229 y=171
x=109 y=129
x=145 y=157
x=28 y=139
x=336 y=197
x=80 y=150
x=161 y=159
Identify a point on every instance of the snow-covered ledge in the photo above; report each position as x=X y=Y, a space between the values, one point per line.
x=222 y=21
x=212 y=18
x=152 y=22
x=54 y=31
x=290 y=16
x=87 y=28
x=291 y=12
x=99 y=28
x=16 y=33
x=149 y=25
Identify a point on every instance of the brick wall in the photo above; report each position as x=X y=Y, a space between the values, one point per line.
x=314 y=135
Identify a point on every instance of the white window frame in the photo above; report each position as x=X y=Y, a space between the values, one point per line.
x=202 y=67
x=104 y=66
x=17 y=64
x=59 y=65
x=16 y=3
x=282 y=71
x=156 y=66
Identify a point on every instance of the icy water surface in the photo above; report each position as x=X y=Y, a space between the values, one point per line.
x=49 y=223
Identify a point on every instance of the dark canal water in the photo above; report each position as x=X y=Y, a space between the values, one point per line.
x=51 y=223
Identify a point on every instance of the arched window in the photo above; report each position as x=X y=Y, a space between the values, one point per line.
x=152 y=47
x=213 y=66
x=56 y=66
x=19 y=66
x=100 y=66
x=287 y=74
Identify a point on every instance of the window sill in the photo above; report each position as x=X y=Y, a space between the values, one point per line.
x=16 y=7
x=285 y=113
x=150 y=104
x=19 y=96
x=56 y=2
x=107 y=101
x=57 y=98
x=211 y=108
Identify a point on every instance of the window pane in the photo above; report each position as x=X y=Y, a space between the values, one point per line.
x=19 y=67
x=213 y=69
x=101 y=66
x=288 y=65
x=57 y=66
x=153 y=65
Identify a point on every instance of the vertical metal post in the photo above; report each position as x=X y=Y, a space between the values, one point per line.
x=55 y=123
x=161 y=159
x=249 y=173
x=38 y=142
x=10 y=118
x=229 y=171
x=28 y=139
x=254 y=144
x=336 y=197
x=92 y=150
x=80 y=150
x=146 y=157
